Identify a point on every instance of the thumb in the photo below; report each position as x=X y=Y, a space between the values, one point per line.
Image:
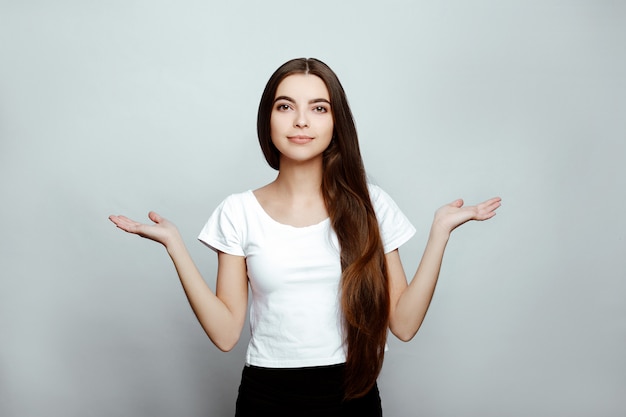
x=155 y=217
x=457 y=203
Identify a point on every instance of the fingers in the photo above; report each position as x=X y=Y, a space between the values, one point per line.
x=487 y=209
x=493 y=203
x=125 y=221
x=125 y=224
x=483 y=211
x=144 y=230
x=117 y=220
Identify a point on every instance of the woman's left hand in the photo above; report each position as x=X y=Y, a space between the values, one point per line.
x=452 y=215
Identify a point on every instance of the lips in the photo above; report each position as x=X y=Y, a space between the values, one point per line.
x=300 y=139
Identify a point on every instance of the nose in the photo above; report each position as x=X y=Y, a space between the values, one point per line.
x=301 y=120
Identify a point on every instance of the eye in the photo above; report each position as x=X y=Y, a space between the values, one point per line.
x=283 y=107
x=320 y=109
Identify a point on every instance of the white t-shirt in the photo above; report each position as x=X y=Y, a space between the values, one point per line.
x=294 y=274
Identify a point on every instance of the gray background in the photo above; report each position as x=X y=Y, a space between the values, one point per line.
x=129 y=106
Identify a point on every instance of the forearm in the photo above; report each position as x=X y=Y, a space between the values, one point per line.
x=412 y=305
x=219 y=323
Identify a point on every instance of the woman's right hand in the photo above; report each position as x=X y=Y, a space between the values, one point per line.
x=162 y=231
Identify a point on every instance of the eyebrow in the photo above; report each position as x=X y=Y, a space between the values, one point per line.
x=315 y=100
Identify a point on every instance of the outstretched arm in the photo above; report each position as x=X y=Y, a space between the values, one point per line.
x=221 y=314
x=409 y=302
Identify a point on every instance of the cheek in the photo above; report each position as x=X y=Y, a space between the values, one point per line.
x=330 y=127
x=279 y=120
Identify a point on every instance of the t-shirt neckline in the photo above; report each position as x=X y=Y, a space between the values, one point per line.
x=265 y=214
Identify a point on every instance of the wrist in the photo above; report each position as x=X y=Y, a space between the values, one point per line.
x=174 y=244
x=439 y=232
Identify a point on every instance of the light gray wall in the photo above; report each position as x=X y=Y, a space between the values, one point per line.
x=130 y=106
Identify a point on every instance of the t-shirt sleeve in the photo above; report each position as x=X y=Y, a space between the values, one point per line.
x=395 y=227
x=223 y=230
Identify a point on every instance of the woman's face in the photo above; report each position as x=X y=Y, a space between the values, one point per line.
x=301 y=122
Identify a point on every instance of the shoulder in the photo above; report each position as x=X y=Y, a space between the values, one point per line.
x=374 y=190
x=236 y=200
x=233 y=208
x=380 y=199
x=395 y=227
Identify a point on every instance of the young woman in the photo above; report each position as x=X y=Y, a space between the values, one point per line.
x=319 y=248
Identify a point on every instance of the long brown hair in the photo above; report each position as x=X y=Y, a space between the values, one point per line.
x=364 y=286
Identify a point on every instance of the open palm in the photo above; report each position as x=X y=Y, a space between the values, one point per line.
x=162 y=231
x=452 y=215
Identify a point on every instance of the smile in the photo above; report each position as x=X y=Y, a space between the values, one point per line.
x=300 y=139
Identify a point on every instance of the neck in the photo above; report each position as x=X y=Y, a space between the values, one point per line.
x=300 y=178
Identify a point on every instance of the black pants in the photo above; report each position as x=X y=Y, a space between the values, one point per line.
x=301 y=392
